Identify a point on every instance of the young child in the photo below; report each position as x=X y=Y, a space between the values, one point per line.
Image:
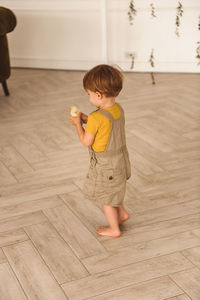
x=104 y=134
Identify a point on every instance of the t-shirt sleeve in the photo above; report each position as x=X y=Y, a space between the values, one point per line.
x=92 y=125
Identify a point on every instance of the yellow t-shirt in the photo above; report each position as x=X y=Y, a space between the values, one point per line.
x=100 y=126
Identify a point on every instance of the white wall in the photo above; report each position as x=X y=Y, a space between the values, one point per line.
x=78 y=34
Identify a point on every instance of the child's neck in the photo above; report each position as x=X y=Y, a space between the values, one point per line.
x=107 y=102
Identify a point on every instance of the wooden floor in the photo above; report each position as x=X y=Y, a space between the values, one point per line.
x=49 y=248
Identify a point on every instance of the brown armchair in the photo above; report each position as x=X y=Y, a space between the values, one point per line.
x=7 y=24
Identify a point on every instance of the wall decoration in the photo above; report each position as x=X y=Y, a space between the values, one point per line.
x=198 y=52
x=153 y=10
x=199 y=24
x=198 y=46
x=151 y=61
x=132 y=55
x=179 y=10
x=179 y=14
x=132 y=12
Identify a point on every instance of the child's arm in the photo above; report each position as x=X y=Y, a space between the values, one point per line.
x=86 y=138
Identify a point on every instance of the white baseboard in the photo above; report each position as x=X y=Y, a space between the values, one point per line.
x=185 y=67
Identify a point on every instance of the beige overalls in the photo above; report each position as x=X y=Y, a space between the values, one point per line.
x=106 y=179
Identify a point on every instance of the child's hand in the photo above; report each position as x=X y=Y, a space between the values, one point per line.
x=75 y=120
x=84 y=118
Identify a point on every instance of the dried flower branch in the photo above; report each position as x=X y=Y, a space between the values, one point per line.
x=132 y=12
x=199 y=24
x=153 y=10
x=132 y=55
x=198 y=52
x=151 y=61
x=198 y=47
x=179 y=14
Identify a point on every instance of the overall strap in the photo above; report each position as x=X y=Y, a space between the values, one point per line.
x=121 y=111
x=109 y=115
x=106 y=114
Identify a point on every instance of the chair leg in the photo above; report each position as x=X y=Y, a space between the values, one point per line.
x=5 y=88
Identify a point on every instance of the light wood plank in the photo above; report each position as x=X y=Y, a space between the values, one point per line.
x=181 y=297
x=188 y=281
x=167 y=133
x=28 y=207
x=56 y=253
x=45 y=172
x=10 y=288
x=153 y=140
x=51 y=129
x=174 y=184
x=59 y=158
x=21 y=192
x=142 y=147
x=132 y=274
x=6 y=176
x=197 y=232
x=74 y=232
x=14 y=161
x=2 y=256
x=193 y=255
x=12 y=237
x=141 y=251
x=20 y=221
x=152 y=231
x=157 y=198
x=177 y=118
x=165 y=213
x=91 y=215
x=161 y=289
x=28 y=150
x=42 y=141
x=33 y=274
x=79 y=182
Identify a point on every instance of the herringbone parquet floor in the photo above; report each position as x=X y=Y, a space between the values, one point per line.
x=49 y=248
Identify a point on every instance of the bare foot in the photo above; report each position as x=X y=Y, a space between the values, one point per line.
x=108 y=231
x=123 y=218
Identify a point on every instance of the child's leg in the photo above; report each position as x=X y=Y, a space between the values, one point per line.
x=123 y=214
x=112 y=217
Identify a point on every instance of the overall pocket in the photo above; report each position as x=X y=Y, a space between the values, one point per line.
x=112 y=178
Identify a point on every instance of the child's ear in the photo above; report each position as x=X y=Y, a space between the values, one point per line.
x=99 y=95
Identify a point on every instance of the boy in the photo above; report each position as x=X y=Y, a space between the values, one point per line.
x=104 y=134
